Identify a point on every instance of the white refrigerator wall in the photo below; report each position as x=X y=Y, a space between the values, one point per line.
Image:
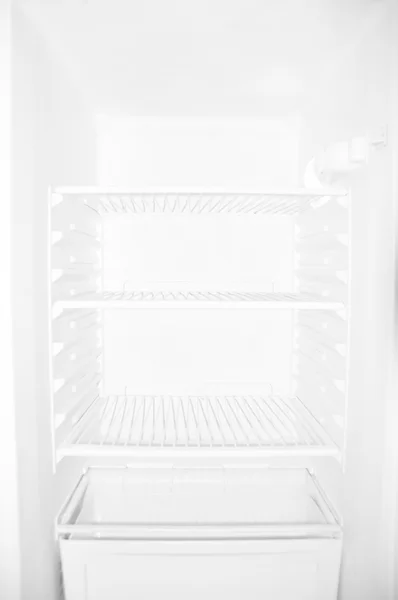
x=208 y=352
x=53 y=142
x=9 y=525
x=358 y=98
x=189 y=151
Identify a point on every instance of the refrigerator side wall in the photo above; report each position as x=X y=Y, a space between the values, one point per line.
x=10 y=572
x=53 y=141
x=355 y=100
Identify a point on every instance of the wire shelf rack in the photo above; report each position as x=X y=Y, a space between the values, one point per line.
x=199 y=299
x=200 y=201
x=269 y=424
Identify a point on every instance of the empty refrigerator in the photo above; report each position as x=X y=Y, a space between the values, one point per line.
x=196 y=308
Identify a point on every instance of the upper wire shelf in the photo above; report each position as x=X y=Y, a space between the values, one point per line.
x=200 y=299
x=272 y=424
x=198 y=201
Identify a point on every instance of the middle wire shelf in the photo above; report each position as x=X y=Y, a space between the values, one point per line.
x=143 y=425
x=199 y=299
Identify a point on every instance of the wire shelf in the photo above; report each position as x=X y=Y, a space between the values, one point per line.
x=270 y=424
x=199 y=299
x=200 y=201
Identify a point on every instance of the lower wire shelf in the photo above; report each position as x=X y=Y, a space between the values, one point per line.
x=199 y=299
x=164 y=425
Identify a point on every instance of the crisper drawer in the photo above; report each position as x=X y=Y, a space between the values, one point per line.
x=212 y=570
x=231 y=533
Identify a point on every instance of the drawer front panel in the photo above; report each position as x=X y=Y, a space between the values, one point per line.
x=274 y=569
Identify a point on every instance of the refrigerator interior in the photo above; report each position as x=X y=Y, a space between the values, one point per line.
x=202 y=299
x=211 y=353
x=204 y=391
